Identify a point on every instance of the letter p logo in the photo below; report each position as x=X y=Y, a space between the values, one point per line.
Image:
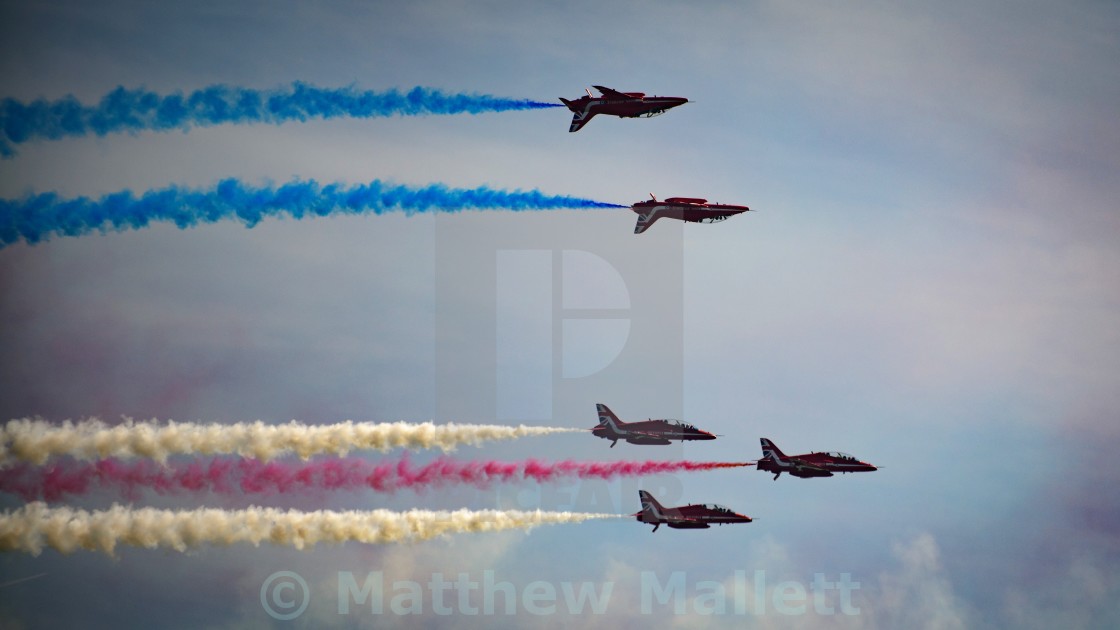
x=539 y=318
x=559 y=314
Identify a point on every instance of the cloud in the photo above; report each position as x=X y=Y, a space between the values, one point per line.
x=1082 y=593
x=917 y=594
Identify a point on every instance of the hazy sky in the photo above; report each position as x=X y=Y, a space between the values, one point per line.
x=929 y=280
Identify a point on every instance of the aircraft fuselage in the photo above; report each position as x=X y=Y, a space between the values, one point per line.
x=817 y=464
x=692 y=516
x=684 y=209
x=621 y=104
x=659 y=432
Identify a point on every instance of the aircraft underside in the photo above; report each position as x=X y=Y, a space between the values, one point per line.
x=649 y=441
x=805 y=474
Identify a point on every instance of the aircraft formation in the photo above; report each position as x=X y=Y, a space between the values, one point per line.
x=662 y=432
x=610 y=427
x=37 y=218
x=638 y=105
x=701 y=516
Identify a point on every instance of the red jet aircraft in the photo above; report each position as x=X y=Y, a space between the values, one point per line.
x=686 y=517
x=621 y=104
x=646 y=431
x=808 y=465
x=683 y=208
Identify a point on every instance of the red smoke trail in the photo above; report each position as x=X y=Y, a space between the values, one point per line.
x=250 y=476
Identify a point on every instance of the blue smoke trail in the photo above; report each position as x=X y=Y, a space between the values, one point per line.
x=38 y=217
x=136 y=110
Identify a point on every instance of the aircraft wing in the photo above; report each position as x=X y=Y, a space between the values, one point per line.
x=683 y=520
x=647 y=434
x=615 y=94
x=688 y=523
x=804 y=465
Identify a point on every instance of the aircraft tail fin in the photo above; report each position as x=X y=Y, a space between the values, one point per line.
x=579 y=119
x=645 y=220
x=651 y=509
x=769 y=449
x=606 y=416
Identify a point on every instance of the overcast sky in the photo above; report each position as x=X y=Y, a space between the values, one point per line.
x=929 y=279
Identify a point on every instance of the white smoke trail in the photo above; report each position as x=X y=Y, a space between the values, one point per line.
x=65 y=529
x=34 y=440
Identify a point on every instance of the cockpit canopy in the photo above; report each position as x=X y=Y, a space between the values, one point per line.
x=679 y=424
x=718 y=508
x=839 y=455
